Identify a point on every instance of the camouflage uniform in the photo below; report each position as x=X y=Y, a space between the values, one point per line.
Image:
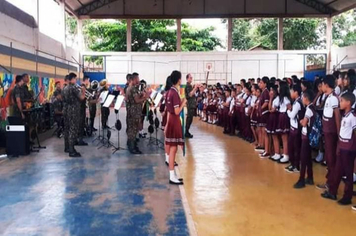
x=134 y=113
x=28 y=96
x=17 y=92
x=71 y=111
x=92 y=109
x=58 y=107
x=191 y=106
x=82 y=115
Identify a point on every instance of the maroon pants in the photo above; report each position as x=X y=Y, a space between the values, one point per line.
x=330 y=155
x=246 y=131
x=226 y=119
x=294 y=140
x=306 y=164
x=344 y=166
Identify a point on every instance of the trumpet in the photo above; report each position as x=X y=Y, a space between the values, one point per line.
x=87 y=93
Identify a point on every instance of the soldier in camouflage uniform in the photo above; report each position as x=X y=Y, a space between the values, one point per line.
x=134 y=113
x=72 y=98
x=17 y=96
x=83 y=108
x=58 y=113
x=191 y=104
x=92 y=108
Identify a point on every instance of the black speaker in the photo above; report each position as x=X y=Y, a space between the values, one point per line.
x=17 y=140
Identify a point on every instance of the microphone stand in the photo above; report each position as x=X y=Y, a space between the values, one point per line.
x=118 y=148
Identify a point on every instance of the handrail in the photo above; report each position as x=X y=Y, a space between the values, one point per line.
x=337 y=65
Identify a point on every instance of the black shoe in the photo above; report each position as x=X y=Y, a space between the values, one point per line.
x=324 y=163
x=328 y=195
x=176 y=183
x=66 y=150
x=138 y=150
x=344 y=201
x=134 y=151
x=75 y=154
x=188 y=135
x=309 y=181
x=94 y=129
x=289 y=169
x=82 y=143
x=299 y=184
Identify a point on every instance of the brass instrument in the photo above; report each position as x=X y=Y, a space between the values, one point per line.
x=94 y=85
x=87 y=93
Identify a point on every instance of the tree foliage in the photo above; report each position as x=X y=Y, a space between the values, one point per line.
x=147 y=35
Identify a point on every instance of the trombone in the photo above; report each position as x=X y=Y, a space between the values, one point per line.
x=87 y=93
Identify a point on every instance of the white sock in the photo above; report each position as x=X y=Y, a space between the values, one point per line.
x=320 y=156
x=172 y=176
x=354 y=177
x=276 y=156
x=167 y=158
x=285 y=158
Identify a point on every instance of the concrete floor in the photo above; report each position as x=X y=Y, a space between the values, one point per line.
x=229 y=190
x=100 y=194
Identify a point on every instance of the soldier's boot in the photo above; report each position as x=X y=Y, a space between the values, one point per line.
x=131 y=146
x=136 y=148
x=82 y=143
x=73 y=152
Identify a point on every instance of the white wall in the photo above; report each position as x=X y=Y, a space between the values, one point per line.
x=227 y=66
x=338 y=54
x=24 y=38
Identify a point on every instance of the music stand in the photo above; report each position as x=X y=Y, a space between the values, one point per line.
x=118 y=104
x=155 y=140
x=107 y=104
x=102 y=99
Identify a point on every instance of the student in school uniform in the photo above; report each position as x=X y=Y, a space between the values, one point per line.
x=173 y=131
x=295 y=114
x=246 y=129
x=331 y=127
x=256 y=91
x=283 y=124
x=306 y=164
x=346 y=152
x=319 y=102
x=240 y=93
x=226 y=109
x=232 y=116
x=263 y=114
x=271 y=125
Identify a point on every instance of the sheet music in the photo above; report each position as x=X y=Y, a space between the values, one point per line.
x=103 y=96
x=119 y=101
x=158 y=99
x=109 y=100
x=153 y=94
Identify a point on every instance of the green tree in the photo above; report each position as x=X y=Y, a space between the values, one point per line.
x=241 y=36
x=147 y=35
x=344 y=29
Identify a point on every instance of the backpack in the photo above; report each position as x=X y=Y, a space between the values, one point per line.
x=315 y=130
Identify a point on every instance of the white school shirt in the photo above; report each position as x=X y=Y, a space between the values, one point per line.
x=330 y=104
x=348 y=125
x=337 y=90
x=320 y=99
x=283 y=105
x=248 y=104
x=232 y=103
x=275 y=103
x=253 y=100
x=308 y=114
x=354 y=92
x=293 y=114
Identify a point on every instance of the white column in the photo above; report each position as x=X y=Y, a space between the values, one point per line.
x=179 y=35
x=80 y=35
x=229 y=34
x=280 y=34
x=329 y=28
x=128 y=35
x=63 y=28
x=36 y=15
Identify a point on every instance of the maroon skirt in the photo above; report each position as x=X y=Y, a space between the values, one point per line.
x=164 y=119
x=272 y=123
x=254 y=119
x=173 y=131
x=263 y=119
x=211 y=109
x=283 y=123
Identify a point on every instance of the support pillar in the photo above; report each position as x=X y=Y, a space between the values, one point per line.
x=37 y=29
x=63 y=28
x=128 y=35
x=329 y=28
x=179 y=35
x=80 y=34
x=229 y=34
x=280 y=34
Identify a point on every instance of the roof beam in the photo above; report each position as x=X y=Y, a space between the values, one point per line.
x=320 y=7
x=90 y=7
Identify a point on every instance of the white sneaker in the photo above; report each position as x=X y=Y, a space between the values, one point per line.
x=276 y=157
x=284 y=159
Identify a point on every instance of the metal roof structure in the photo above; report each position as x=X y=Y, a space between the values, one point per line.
x=171 y=9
